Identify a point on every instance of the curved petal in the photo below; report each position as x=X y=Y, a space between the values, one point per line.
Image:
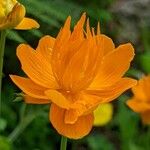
x=113 y=67
x=29 y=87
x=14 y=17
x=147 y=86
x=138 y=106
x=31 y=100
x=71 y=116
x=27 y=23
x=105 y=44
x=74 y=131
x=58 y=98
x=86 y=103
x=36 y=67
x=45 y=47
x=77 y=76
x=139 y=92
x=111 y=92
x=60 y=48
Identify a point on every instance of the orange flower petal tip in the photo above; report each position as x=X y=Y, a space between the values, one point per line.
x=140 y=102
x=76 y=71
x=12 y=13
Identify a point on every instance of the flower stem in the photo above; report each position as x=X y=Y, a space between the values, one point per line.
x=20 y=128
x=63 y=145
x=2 y=47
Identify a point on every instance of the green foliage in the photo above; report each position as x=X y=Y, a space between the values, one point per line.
x=99 y=142
x=144 y=60
x=5 y=144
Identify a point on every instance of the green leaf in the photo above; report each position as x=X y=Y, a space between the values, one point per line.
x=145 y=62
x=99 y=142
x=5 y=144
x=3 y=124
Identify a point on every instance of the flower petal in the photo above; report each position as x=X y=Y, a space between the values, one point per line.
x=139 y=92
x=137 y=105
x=77 y=76
x=27 y=23
x=105 y=44
x=113 y=67
x=45 y=47
x=74 y=131
x=86 y=103
x=111 y=92
x=58 y=98
x=146 y=117
x=31 y=100
x=36 y=67
x=60 y=48
x=71 y=116
x=14 y=17
x=29 y=87
x=78 y=29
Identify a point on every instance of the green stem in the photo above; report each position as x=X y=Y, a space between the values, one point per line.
x=63 y=145
x=2 y=47
x=20 y=128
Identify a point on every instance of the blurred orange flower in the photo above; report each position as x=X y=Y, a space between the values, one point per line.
x=12 y=15
x=76 y=72
x=140 y=102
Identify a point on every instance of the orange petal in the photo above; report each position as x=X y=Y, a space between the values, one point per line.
x=74 y=131
x=114 y=65
x=27 y=23
x=45 y=47
x=86 y=103
x=138 y=106
x=111 y=92
x=98 y=29
x=60 y=46
x=58 y=99
x=78 y=29
x=63 y=36
x=36 y=67
x=105 y=44
x=146 y=117
x=147 y=86
x=139 y=91
x=31 y=100
x=71 y=116
x=77 y=76
x=29 y=87
x=67 y=45
x=88 y=30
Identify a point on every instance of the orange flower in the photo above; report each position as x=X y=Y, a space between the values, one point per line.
x=76 y=72
x=12 y=15
x=140 y=102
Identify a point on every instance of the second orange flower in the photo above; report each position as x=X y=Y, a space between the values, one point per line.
x=75 y=72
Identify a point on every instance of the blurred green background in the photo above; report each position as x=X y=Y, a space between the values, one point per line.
x=122 y=20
